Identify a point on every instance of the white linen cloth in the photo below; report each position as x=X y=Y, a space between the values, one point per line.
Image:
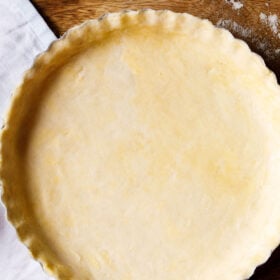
x=23 y=34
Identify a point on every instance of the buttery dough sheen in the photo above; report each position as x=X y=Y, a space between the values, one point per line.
x=145 y=145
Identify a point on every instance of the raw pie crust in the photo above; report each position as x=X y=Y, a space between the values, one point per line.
x=145 y=145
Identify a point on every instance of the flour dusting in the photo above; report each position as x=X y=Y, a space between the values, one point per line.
x=271 y=21
x=263 y=17
x=236 y=5
x=232 y=25
x=247 y=33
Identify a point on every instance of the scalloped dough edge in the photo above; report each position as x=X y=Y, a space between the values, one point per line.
x=96 y=27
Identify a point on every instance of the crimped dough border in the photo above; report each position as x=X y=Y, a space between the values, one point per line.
x=95 y=29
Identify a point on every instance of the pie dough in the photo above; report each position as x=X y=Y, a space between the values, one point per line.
x=145 y=145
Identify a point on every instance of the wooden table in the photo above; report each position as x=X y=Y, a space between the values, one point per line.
x=255 y=22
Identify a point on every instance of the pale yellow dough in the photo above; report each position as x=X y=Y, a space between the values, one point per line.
x=145 y=146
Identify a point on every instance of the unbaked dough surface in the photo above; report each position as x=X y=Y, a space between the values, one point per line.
x=154 y=154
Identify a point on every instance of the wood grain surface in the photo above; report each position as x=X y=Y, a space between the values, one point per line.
x=255 y=22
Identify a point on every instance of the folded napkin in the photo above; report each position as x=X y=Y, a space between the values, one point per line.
x=23 y=34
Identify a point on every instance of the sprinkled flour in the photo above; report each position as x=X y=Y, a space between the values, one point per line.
x=247 y=33
x=236 y=5
x=271 y=21
x=232 y=25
